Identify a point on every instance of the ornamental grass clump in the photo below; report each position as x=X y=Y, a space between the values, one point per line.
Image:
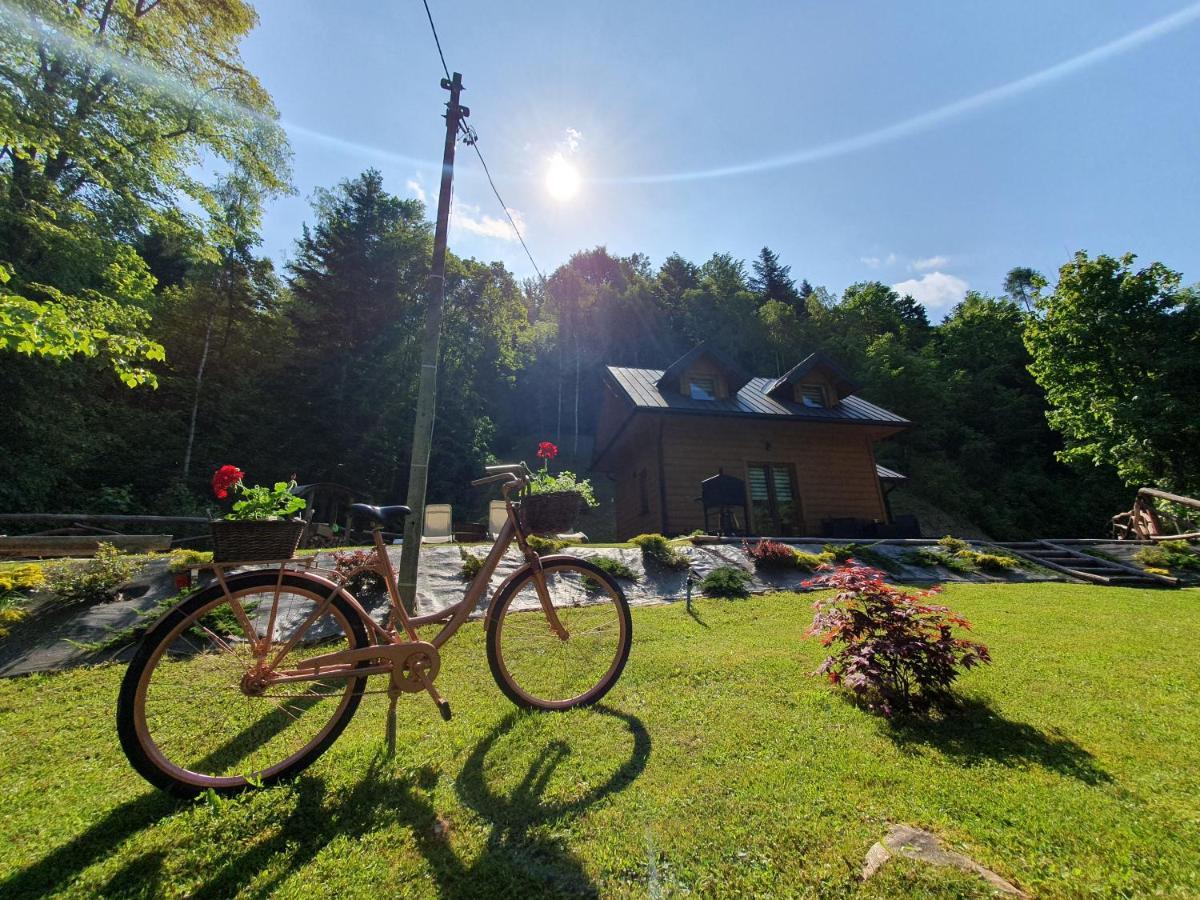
x=93 y=581
x=14 y=581
x=894 y=651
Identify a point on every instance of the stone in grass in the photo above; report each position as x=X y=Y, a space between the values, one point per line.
x=921 y=845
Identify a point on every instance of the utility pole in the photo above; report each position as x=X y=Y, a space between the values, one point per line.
x=435 y=291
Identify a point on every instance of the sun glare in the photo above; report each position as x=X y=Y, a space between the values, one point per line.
x=562 y=179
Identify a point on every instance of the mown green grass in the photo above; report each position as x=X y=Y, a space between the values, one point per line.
x=717 y=766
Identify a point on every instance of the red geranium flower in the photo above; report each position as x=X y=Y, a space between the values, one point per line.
x=547 y=450
x=225 y=478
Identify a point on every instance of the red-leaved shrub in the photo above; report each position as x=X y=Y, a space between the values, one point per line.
x=347 y=561
x=772 y=555
x=894 y=650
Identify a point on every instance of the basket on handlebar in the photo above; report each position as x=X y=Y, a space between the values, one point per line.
x=550 y=513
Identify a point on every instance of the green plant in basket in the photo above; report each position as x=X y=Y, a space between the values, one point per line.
x=545 y=482
x=258 y=503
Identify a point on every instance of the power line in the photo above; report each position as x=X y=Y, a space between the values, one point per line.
x=471 y=139
x=433 y=28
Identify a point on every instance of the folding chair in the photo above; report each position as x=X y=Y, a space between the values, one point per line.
x=497 y=516
x=438 y=524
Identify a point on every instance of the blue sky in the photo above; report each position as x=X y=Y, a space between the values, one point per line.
x=928 y=145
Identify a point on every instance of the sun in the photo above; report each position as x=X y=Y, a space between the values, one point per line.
x=562 y=178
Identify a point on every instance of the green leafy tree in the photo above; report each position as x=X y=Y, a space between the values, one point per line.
x=105 y=109
x=1117 y=351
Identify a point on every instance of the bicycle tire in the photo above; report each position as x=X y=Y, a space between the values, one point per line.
x=506 y=681
x=168 y=628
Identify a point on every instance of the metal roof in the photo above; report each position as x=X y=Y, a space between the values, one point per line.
x=886 y=474
x=640 y=387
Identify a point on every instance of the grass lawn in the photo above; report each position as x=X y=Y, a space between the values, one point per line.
x=717 y=767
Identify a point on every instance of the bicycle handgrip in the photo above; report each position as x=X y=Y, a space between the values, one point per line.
x=491 y=479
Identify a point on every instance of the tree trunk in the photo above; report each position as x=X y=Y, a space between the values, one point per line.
x=187 y=456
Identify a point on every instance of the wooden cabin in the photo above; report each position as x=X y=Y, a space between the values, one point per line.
x=802 y=444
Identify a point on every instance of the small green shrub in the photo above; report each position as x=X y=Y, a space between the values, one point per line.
x=544 y=546
x=810 y=562
x=659 y=549
x=954 y=545
x=993 y=562
x=471 y=565
x=94 y=581
x=183 y=560
x=956 y=555
x=1169 y=555
x=726 y=581
x=840 y=552
x=613 y=567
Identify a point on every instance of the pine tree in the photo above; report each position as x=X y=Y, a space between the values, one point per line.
x=772 y=281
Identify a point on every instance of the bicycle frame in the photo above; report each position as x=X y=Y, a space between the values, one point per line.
x=397 y=649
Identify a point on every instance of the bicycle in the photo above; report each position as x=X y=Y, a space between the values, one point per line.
x=250 y=680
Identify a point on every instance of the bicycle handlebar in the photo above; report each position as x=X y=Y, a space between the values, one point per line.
x=513 y=468
x=492 y=479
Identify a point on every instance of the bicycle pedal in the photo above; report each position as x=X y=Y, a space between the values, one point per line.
x=444 y=709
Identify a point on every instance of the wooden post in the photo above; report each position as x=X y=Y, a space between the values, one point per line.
x=418 y=470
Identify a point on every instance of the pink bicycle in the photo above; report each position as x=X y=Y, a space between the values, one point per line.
x=248 y=681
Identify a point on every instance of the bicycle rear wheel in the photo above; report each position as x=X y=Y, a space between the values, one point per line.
x=536 y=664
x=194 y=711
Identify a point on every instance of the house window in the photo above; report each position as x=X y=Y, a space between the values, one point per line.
x=812 y=395
x=774 y=505
x=643 y=495
x=703 y=387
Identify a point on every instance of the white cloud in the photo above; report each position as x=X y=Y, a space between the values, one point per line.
x=874 y=262
x=469 y=218
x=929 y=262
x=415 y=189
x=936 y=291
x=574 y=137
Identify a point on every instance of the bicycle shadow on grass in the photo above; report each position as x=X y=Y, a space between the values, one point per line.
x=515 y=861
x=521 y=802
x=972 y=731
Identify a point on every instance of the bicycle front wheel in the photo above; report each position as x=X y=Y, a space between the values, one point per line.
x=199 y=707
x=566 y=648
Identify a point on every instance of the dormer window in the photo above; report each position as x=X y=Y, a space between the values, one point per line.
x=702 y=387
x=812 y=395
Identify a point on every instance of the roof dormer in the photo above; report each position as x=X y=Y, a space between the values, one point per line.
x=816 y=382
x=703 y=373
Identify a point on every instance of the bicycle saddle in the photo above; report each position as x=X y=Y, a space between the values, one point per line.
x=390 y=516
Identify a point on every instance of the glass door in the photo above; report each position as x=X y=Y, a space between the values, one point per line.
x=774 y=505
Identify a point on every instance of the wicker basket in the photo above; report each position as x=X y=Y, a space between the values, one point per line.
x=553 y=513
x=250 y=540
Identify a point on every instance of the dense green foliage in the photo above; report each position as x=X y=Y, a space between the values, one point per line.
x=1117 y=351
x=117 y=250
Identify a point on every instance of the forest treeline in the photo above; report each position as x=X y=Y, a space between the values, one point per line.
x=144 y=339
